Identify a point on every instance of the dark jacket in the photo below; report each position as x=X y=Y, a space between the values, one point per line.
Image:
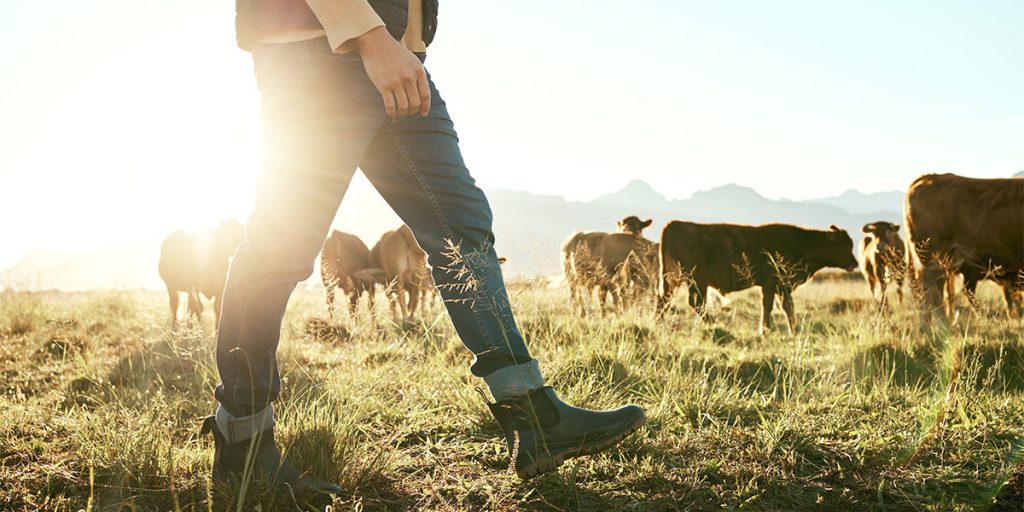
x=253 y=18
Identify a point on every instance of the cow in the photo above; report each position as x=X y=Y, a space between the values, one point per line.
x=609 y=262
x=957 y=225
x=733 y=257
x=404 y=265
x=882 y=259
x=345 y=264
x=197 y=264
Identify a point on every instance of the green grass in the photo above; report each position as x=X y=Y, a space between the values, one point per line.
x=100 y=406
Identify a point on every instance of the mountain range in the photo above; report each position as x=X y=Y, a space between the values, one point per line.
x=529 y=229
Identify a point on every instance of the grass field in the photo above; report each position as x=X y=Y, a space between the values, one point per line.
x=100 y=405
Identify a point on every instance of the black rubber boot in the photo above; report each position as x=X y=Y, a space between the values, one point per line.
x=551 y=431
x=265 y=462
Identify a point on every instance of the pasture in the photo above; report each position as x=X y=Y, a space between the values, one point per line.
x=100 y=405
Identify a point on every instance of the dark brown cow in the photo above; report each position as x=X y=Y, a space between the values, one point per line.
x=197 y=264
x=405 y=267
x=731 y=257
x=882 y=259
x=601 y=260
x=345 y=264
x=957 y=225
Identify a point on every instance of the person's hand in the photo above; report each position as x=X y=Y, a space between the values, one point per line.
x=396 y=72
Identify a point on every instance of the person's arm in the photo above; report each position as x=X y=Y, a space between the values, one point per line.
x=394 y=70
x=344 y=21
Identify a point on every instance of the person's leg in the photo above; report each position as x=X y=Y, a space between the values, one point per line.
x=416 y=165
x=318 y=121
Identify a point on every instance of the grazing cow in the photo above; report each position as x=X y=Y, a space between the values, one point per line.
x=404 y=265
x=601 y=260
x=882 y=258
x=197 y=264
x=957 y=225
x=345 y=264
x=731 y=257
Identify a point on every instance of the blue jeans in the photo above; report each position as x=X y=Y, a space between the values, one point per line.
x=322 y=119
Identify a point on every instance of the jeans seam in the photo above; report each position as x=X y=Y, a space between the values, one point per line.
x=441 y=220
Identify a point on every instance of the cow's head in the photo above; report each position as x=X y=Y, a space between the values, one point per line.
x=367 y=278
x=840 y=249
x=887 y=233
x=633 y=225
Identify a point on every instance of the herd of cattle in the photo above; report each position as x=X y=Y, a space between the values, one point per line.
x=955 y=227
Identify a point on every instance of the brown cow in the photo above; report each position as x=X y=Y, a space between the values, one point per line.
x=404 y=265
x=957 y=225
x=732 y=257
x=197 y=264
x=882 y=258
x=345 y=264
x=601 y=260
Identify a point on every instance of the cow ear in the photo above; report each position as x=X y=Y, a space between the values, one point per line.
x=868 y=228
x=833 y=227
x=646 y=223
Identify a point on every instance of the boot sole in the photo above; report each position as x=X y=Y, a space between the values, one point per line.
x=548 y=463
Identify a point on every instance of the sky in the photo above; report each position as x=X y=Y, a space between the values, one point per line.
x=125 y=119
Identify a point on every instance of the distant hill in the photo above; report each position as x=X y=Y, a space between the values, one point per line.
x=529 y=229
x=127 y=266
x=857 y=202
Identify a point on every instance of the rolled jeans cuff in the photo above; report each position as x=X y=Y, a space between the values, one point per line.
x=514 y=381
x=241 y=429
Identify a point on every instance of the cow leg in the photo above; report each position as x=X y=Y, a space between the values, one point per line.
x=195 y=306
x=617 y=298
x=665 y=291
x=933 y=280
x=970 y=292
x=602 y=298
x=1010 y=295
x=767 y=305
x=174 y=297
x=787 y=306
x=698 y=300
x=869 y=276
x=403 y=303
x=393 y=301
x=353 y=301
x=575 y=297
x=882 y=285
x=413 y=289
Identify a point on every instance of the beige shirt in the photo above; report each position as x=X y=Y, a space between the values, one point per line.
x=345 y=20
